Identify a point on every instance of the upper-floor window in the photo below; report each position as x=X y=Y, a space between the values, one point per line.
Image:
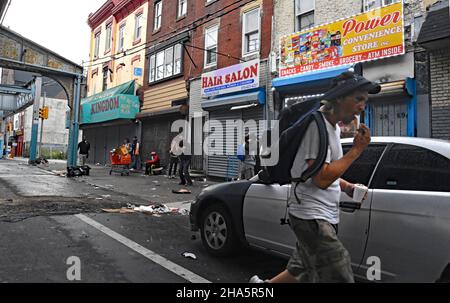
x=304 y=12
x=158 y=16
x=97 y=45
x=138 y=27
x=250 y=32
x=182 y=8
x=371 y=4
x=108 y=37
x=121 y=38
x=165 y=63
x=211 y=45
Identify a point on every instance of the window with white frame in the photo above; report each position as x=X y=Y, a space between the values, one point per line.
x=304 y=12
x=371 y=4
x=182 y=8
x=97 y=45
x=165 y=63
x=138 y=27
x=121 y=38
x=157 y=16
x=108 y=37
x=211 y=34
x=250 y=32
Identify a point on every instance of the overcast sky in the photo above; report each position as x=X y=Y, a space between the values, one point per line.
x=59 y=25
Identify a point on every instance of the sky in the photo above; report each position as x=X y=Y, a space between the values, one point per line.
x=58 y=25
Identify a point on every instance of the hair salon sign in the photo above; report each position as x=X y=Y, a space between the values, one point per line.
x=230 y=79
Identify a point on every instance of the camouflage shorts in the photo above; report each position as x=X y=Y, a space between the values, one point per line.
x=319 y=256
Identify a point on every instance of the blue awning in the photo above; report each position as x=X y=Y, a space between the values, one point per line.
x=255 y=97
x=310 y=81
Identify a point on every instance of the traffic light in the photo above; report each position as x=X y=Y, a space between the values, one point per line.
x=43 y=112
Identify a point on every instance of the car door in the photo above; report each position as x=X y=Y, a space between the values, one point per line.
x=264 y=207
x=354 y=217
x=410 y=215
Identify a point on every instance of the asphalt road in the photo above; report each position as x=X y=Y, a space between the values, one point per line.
x=47 y=222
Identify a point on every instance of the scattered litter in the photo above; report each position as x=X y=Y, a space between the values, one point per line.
x=106 y=196
x=98 y=198
x=96 y=187
x=181 y=191
x=154 y=188
x=98 y=164
x=84 y=234
x=189 y=255
x=109 y=185
x=183 y=211
x=154 y=209
x=156 y=181
x=156 y=215
x=122 y=210
x=155 y=196
x=130 y=206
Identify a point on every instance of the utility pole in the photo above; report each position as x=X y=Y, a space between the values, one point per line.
x=42 y=126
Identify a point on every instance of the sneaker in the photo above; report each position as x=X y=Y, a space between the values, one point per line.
x=256 y=279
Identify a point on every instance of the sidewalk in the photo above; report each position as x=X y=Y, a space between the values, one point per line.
x=154 y=189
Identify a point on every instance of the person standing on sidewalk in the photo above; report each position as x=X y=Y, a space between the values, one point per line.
x=314 y=205
x=83 y=147
x=174 y=152
x=185 y=161
x=135 y=154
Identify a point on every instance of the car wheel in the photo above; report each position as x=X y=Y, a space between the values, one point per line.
x=217 y=232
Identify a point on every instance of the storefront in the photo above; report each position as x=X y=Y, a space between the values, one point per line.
x=107 y=119
x=311 y=59
x=237 y=106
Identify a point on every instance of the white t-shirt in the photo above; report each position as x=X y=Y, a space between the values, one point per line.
x=316 y=203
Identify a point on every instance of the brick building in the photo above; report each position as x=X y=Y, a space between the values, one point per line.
x=188 y=39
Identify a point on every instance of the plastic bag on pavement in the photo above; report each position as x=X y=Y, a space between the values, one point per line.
x=189 y=255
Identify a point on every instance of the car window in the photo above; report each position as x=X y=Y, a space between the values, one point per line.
x=361 y=170
x=408 y=167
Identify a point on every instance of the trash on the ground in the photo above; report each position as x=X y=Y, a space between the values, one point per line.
x=98 y=198
x=98 y=164
x=154 y=209
x=122 y=210
x=84 y=234
x=109 y=185
x=96 y=187
x=181 y=191
x=106 y=196
x=130 y=206
x=183 y=211
x=189 y=255
x=155 y=181
x=153 y=188
x=206 y=185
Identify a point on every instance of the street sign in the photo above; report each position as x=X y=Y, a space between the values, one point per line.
x=138 y=71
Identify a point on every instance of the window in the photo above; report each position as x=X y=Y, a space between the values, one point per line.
x=105 y=78
x=121 y=38
x=165 y=63
x=157 y=18
x=251 y=31
x=304 y=12
x=408 y=167
x=362 y=169
x=97 y=45
x=108 y=37
x=211 y=45
x=371 y=4
x=182 y=8
x=138 y=27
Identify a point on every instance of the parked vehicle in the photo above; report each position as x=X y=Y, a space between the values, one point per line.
x=405 y=220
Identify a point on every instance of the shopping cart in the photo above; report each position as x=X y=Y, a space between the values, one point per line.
x=120 y=162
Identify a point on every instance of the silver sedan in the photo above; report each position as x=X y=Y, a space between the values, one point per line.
x=402 y=230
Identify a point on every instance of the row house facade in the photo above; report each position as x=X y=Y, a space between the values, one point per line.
x=190 y=41
x=114 y=75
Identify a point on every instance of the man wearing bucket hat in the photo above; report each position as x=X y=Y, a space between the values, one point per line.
x=319 y=255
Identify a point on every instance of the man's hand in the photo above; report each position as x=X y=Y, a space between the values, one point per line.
x=362 y=138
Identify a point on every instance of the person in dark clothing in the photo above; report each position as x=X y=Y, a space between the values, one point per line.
x=83 y=147
x=135 y=155
x=185 y=162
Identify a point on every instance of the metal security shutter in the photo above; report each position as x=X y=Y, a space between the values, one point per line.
x=390 y=119
x=227 y=165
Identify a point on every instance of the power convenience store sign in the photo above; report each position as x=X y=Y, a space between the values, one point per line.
x=368 y=36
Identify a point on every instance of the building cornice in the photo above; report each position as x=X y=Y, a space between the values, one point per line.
x=105 y=11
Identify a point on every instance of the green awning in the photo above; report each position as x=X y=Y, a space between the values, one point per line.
x=115 y=103
x=127 y=89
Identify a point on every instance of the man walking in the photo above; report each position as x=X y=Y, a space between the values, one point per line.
x=83 y=147
x=314 y=205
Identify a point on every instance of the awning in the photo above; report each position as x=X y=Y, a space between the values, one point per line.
x=127 y=89
x=309 y=83
x=162 y=112
x=119 y=106
x=255 y=97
